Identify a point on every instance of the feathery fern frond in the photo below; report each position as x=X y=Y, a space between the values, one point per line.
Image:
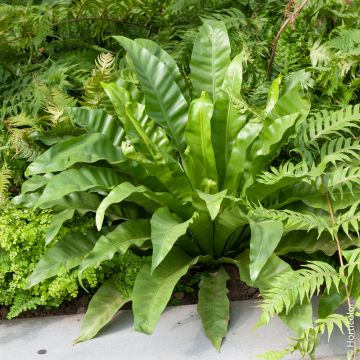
x=345 y=40
x=293 y=220
x=309 y=339
x=353 y=261
x=339 y=150
x=291 y=288
x=289 y=53
x=105 y=63
x=350 y=220
x=178 y=7
x=18 y=142
x=20 y=120
x=244 y=108
x=232 y=17
x=341 y=178
x=319 y=54
x=285 y=170
x=103 y=72
x=5 y=176
x=325 y=125
x=55 y=107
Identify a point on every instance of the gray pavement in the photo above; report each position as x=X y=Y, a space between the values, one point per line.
x=178 y=336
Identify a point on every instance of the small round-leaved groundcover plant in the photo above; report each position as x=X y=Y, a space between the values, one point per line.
x=188 y=177
x=22 y=238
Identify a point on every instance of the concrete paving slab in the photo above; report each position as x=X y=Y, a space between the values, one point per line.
x=178 y=336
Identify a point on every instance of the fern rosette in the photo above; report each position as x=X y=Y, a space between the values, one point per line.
x=191 y=178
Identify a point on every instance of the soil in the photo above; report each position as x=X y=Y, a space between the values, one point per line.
x=186 y=293
x=75 y=306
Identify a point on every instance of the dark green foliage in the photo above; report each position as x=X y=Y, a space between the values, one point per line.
x=57 y=43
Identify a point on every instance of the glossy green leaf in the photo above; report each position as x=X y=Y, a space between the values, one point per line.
x=84 y=202
x=116 y=195
x=236 y=165
x=290 y=103
x=203 y=232
x=152 y=291
x=26 y=200
x=50 y=139
x=274 y=135
x=98 y=121
x=230 y=220
x=81 y=149
x=313 y=197
x=106 y=302
x=163 y=99
x=154 y=146
x=127 y=234
x=164 y=57
x=273 y=95
x=80 y=201
x=36 y=182
x=145 y=135
x=273 y=267
x=210 y=59
x=173 y=182
x=265 y=236
x=56 y=223
x=149 y=140
x=166 y=229
x=85 y=178
x=227 y=121
x=198 y=137
x=212 y=201
x=234 y=76
x=137 y=194
x=136 y=122
x=310 y=242
x=66 y=254
x=119 y=97
x=213 y=305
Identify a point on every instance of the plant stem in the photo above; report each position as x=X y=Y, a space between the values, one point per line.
x=290 y=19
x=332 y=216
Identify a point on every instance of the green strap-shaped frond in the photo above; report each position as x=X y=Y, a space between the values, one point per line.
x=213 y=305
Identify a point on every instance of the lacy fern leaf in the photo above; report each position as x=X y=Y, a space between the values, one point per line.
x=293 y=220
x=339 y=150
x=309 y=339
x=291 y=288
x=343 y=178
x=94 y=94
x=285 y=170
x=5 y=176
x=349 y=221
x=326 y=125
x=345 y=40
